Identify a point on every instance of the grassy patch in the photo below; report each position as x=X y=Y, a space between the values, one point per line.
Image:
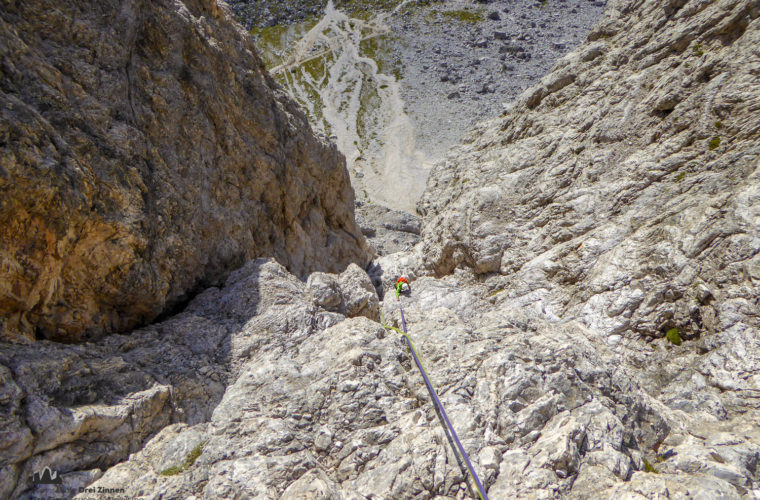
x=718 y=124
x=171 y=471
x=698 y=50
x=681 y=176
x=673 y=336
x=380 y=50
x=311 y=70
x=649 y=467
x=189 y=461
x=317 y=67
x=463 y=16
x=496 y=292
x=714 y=143
x=273 y=41
x=359 y=9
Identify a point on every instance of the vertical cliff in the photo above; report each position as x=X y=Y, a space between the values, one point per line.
x=146 y=153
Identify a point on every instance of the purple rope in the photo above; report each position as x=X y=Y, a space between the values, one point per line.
x=438 y=403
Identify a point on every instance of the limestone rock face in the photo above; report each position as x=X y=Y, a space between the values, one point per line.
x=545 y=410
x=76 y=408
x=145 y=154
x=624 y=190
x=350 y=294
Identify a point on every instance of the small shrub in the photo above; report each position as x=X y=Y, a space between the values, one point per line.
x=189 y=461
x=649 y=467
x=171 y=471
x=698 y=50
x=718 y=124
x=673 y=336
x=680 y=176
x=714 y=143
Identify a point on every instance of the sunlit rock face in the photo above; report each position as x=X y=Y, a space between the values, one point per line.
x=622 y=190
x=145 y=154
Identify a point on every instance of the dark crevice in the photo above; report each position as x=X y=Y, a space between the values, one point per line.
x=179 y=304
x=672 y=7
x=662 y=113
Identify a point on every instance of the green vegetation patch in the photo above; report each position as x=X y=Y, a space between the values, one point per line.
x=649 y=467
x=380 y=49
x=306 y=75
x=698 y=50
x=360 y=8
x=681 y=176
x=673 y=336
x=189 y=461
x=714 y=143
x=273 y=41
x=718 y=124
x=463 y=16
x=317 y=67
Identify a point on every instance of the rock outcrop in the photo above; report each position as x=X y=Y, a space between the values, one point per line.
x=327 y=407
x=80 y=408
x=146 y=153
x=388 y=231
x=624 y=190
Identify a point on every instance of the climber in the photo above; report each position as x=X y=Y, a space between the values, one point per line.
x=402 y=286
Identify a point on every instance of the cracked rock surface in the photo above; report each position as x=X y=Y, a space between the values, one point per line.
x=585 y=305
x=79 y=408
x=623 y=190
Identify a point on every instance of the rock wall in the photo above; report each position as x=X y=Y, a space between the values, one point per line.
x=624 y=188
x=145 y=154
x=559 y=246
x=320 y=406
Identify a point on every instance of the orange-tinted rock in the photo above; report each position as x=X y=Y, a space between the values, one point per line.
x=144 y=154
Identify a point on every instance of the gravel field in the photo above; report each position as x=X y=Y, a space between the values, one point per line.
x=457 y=73
x=457 y=62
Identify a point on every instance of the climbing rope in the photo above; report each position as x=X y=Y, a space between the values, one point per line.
x=481 y=490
